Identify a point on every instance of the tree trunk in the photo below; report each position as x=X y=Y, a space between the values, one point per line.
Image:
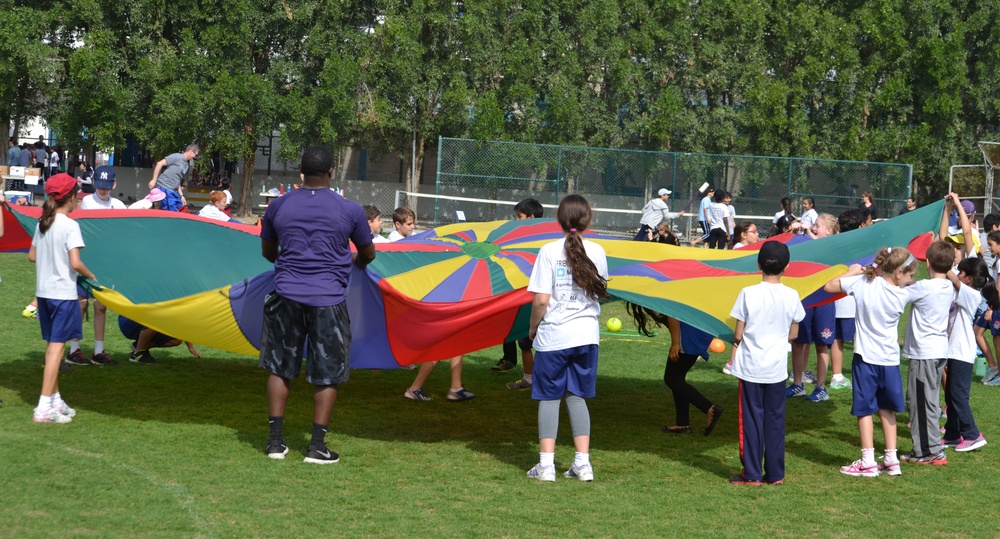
x=246 y=186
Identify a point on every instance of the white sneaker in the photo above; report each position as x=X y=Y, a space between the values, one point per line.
x=839 y=381
x=50 y=415
x=543 y=473
x=583 y=473
x=727 y=368
x=64 y=409
x=993 y=382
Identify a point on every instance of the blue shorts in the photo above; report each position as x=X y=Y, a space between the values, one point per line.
x=559 y=372
x=844 y=329
x=876 y=387
x=130 y=329
x=60 y=319
x=818 y=325
x=993 y=326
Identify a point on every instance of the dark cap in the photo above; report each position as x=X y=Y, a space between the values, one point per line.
x=104 y=177
x=773 y=257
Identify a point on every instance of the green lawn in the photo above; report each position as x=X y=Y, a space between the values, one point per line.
x=176 y=450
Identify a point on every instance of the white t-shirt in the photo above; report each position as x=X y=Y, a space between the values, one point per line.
x=54 y=277
x=571 y=318
x=768 y=310
x=845 y=307
x=229 y=197
x=379 y=238
x=779 y=215
x=213 y=212
x=655 y=211
x=808 y=219
x=395 y=236
x=731 y=214
x=962 y=341
x=718 y=214
x=141 y=204
x=53 y=160
x=879 y=305
x=927 y=330
x=93 y=202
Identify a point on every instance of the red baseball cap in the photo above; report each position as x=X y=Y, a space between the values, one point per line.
x=60 y=185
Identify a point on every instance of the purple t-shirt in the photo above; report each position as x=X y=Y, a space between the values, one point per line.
x=312 y=227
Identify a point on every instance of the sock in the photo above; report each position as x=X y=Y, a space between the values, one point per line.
x=56 y=399
x=98 y=347
x=31 y=308
x=527 y=378
x=890 y=456
x=277 y=424
x=319 y=435
x=456 y=390
x=868 y=456
x=547 y=459
x=74 y=346
x=44 y=403
x=581 y=459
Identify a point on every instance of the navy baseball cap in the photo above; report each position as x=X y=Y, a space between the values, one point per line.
x=104 y=177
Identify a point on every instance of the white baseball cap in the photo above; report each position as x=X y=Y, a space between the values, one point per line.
x=664 y=191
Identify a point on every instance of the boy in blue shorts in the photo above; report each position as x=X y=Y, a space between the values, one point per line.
x=305 y=233
x=767 y=319
x=144 y=338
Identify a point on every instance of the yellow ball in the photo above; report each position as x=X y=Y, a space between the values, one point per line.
x=614 y=325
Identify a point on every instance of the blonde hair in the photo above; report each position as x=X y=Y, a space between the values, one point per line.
x=830 y=221
x=888 y=260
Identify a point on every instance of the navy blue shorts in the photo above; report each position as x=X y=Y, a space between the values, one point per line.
x=131 y=329
x=876 y=387
x=60 y=319
x=818 y=325
x=994 y=327
x=844 y=329
x=292 y=330
x=559 y=372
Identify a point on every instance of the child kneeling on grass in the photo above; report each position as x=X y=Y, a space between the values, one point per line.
x=767 y=320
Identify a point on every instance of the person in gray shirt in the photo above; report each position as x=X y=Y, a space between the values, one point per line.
x=25 y=156
x=13 y=153
x=168 y=175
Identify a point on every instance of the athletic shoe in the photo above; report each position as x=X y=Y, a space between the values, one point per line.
x=503 y=366
x=78 y=358
x=321 y=455
x=952 y=443
x=519 y=384
x=51 y=415
x=674 y=429
x=860 y=469
x=64 y=409
x=839 y=381
x=63 y=366
x=276 y=449
x=727 y=369
x=739 y=480
x=142 y=356
x=889 y=468
x=808 y=377
x=583 y=473
x=103 y=359
x=417 y=395
x=990 y=374
x=543 y=473
x=714 y=413
x=779 y=482
x=795 y=391
x=971 y=445
x=460 y=395
x=28 y=313
x=992 y=382
x=944 y=413
x=819 y=395
x=937 y=459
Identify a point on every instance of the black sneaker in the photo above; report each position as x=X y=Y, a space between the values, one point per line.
x=714 y=413
x=321 y=455
x=78 y=358
x=103 y=359
x=276 y=449
x=503 y=366
x=141 y=356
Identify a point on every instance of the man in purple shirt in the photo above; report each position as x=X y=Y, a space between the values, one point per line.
x=312 y=226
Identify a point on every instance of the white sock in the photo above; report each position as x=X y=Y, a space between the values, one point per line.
x=44 y=403
x=98 y=347
x=890 y=456
x=31 y=308
x=527 y=378
x=868 y=456
x=74 y=346
x=454 y=390
x=547 y=459
x=581 y=459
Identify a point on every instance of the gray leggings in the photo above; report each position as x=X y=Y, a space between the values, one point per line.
x=548 y=417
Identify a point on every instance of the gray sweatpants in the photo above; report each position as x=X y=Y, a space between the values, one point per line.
x=923 y=394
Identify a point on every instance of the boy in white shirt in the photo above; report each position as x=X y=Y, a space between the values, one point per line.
x=405 y=221
x=375 y=223
x=101 y=199
x=926 y=345
x=767 y=319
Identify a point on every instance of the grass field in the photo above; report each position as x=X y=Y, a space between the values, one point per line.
x=176 y=450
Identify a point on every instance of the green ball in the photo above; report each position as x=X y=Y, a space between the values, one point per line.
x=614 y=325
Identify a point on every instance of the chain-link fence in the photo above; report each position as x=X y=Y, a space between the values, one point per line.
x=627 y=179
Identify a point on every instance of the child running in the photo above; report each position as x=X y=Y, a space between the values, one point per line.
x=55 y=249
x=767 y=319
x=880 y=295
x=569 y=279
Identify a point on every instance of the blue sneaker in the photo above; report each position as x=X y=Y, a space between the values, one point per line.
x=819 y=395
x=795 y=391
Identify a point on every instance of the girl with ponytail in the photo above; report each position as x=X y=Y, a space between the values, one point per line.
x=569 y=279
x=880 y=294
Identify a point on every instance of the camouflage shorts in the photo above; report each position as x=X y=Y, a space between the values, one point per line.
x=320 y=334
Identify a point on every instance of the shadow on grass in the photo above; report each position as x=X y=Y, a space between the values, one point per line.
x=626 y=415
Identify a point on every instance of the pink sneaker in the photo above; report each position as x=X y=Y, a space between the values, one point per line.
x=971 y=445
x=860 y=469
x=889 y=468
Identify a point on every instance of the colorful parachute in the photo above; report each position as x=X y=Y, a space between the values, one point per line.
x=447 y=291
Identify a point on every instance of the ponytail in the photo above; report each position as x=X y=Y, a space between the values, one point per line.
x=641 y=316
x=49 y=208
x=574 y=218
x=888 y=260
